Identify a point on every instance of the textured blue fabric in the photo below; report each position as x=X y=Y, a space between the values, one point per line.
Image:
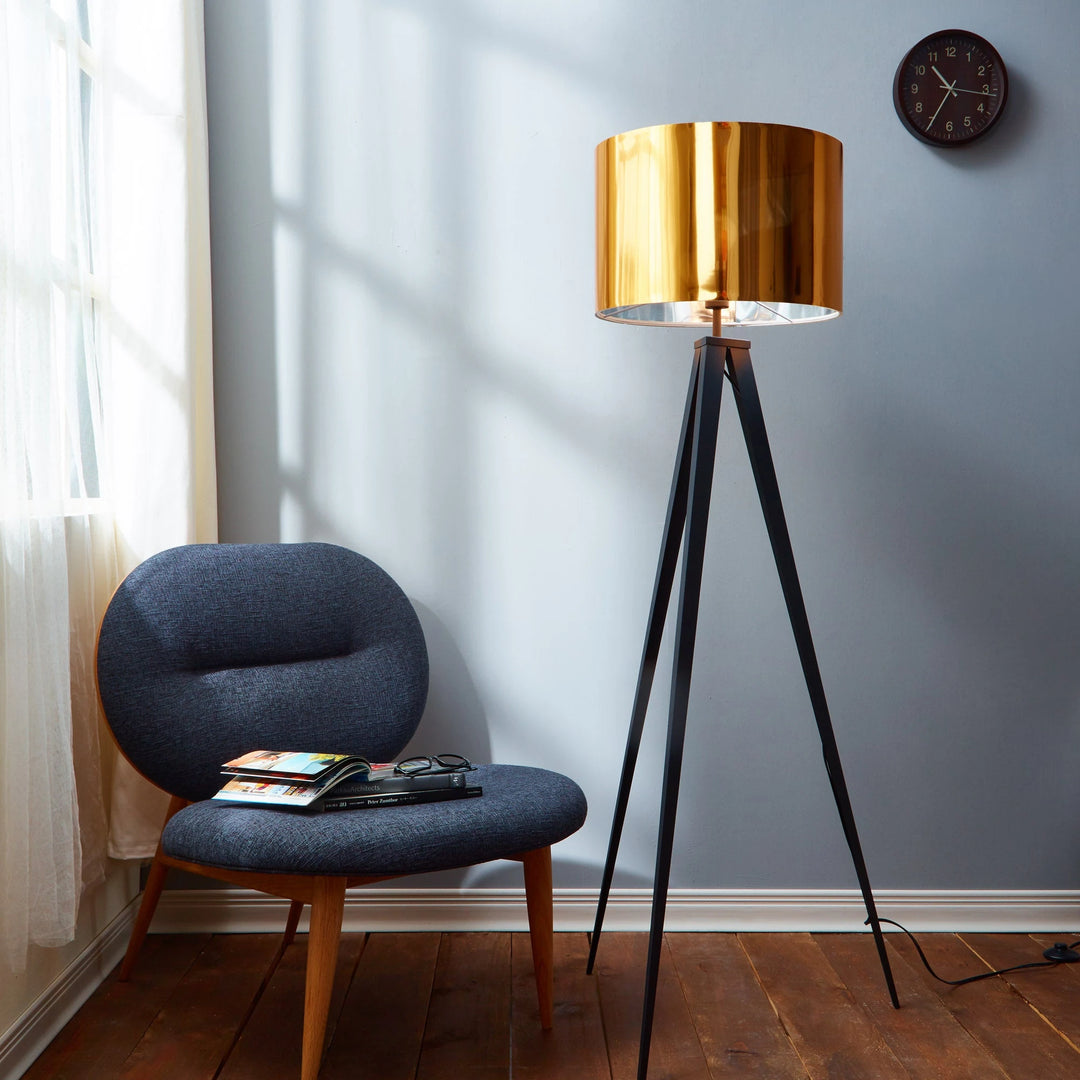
x=210 y=650
x=521 y=809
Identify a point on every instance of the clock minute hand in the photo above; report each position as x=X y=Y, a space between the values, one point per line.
x=948 y=91
x=961 y=90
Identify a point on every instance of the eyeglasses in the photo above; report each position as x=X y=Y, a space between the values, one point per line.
x=438 y=763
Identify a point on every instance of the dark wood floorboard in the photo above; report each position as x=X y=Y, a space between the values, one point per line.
x=381 y=1024
x=98 y=1039
x=676 y=1052
x=448 y=1006
x=830 y=1031
x=269 y=1043
x=740 y=1033
x=575 y=1046
x=923 y=1034
x=1051 y=991
x=468 y=1021
x=1005 y=1025
x=194 y=1031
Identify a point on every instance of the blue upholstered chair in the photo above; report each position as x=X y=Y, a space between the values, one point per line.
x=209 y=651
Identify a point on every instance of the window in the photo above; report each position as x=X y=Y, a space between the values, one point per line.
x=76 y=296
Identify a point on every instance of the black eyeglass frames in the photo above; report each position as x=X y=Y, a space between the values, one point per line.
x=437 y=763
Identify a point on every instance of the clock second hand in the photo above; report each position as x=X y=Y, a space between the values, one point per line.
x=961 y=90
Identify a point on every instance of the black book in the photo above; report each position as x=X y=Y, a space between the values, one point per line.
x=334 y=801
x=382 y=780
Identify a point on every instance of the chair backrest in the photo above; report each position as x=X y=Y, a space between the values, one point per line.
x=211 y=650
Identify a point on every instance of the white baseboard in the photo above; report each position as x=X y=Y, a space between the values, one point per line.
x=775 y=911
x=24 y=1041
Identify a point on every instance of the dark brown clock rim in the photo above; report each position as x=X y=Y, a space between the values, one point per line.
x=930 y=140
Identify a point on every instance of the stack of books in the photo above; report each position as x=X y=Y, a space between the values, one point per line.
x=319 y=782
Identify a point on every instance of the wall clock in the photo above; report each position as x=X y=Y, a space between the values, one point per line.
x=950 y=89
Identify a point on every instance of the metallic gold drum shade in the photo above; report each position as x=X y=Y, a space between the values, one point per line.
x=750 y=214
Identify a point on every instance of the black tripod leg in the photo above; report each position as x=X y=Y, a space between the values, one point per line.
x=665 y=575
x=757 y=444
x=704 y=452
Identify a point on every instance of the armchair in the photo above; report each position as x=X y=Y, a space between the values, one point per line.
x=208 y=651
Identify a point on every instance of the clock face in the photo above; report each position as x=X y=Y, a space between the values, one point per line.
x=950 y=88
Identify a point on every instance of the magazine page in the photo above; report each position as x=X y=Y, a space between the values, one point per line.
x=269 y=794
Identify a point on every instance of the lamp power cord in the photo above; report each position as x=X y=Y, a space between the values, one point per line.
x=1059 y=954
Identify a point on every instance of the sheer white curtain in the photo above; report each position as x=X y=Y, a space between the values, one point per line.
x=106 y=412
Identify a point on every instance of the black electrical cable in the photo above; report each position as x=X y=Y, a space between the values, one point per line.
x=972 y=978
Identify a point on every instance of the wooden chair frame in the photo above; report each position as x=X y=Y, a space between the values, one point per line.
x=326 y=895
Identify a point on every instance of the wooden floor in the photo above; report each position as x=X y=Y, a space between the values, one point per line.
x=444 y=1007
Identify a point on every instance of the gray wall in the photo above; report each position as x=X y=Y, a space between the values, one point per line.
x=408 y=363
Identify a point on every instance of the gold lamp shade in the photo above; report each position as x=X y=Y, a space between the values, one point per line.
x=747 y=214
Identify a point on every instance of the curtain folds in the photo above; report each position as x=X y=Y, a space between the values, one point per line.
x=158 y=271
x=106 y=410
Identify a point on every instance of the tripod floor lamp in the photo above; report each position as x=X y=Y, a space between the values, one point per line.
x=717 y=224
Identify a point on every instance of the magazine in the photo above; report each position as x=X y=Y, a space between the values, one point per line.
x=290 y=765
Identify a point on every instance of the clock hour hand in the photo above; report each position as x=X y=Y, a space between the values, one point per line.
x=945 y=84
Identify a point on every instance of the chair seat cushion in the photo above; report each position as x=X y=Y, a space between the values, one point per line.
x=521 y=809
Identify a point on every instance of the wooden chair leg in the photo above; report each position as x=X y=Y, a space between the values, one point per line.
x=327 y=909
x=155 y=882
x=295 y=910
x=538 y=899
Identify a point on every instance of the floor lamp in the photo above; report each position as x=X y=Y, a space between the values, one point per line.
x=717 y=224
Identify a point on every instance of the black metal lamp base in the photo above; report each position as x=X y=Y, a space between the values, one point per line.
x=685 y=527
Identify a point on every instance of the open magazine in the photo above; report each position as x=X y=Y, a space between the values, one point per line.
x=303 y=768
